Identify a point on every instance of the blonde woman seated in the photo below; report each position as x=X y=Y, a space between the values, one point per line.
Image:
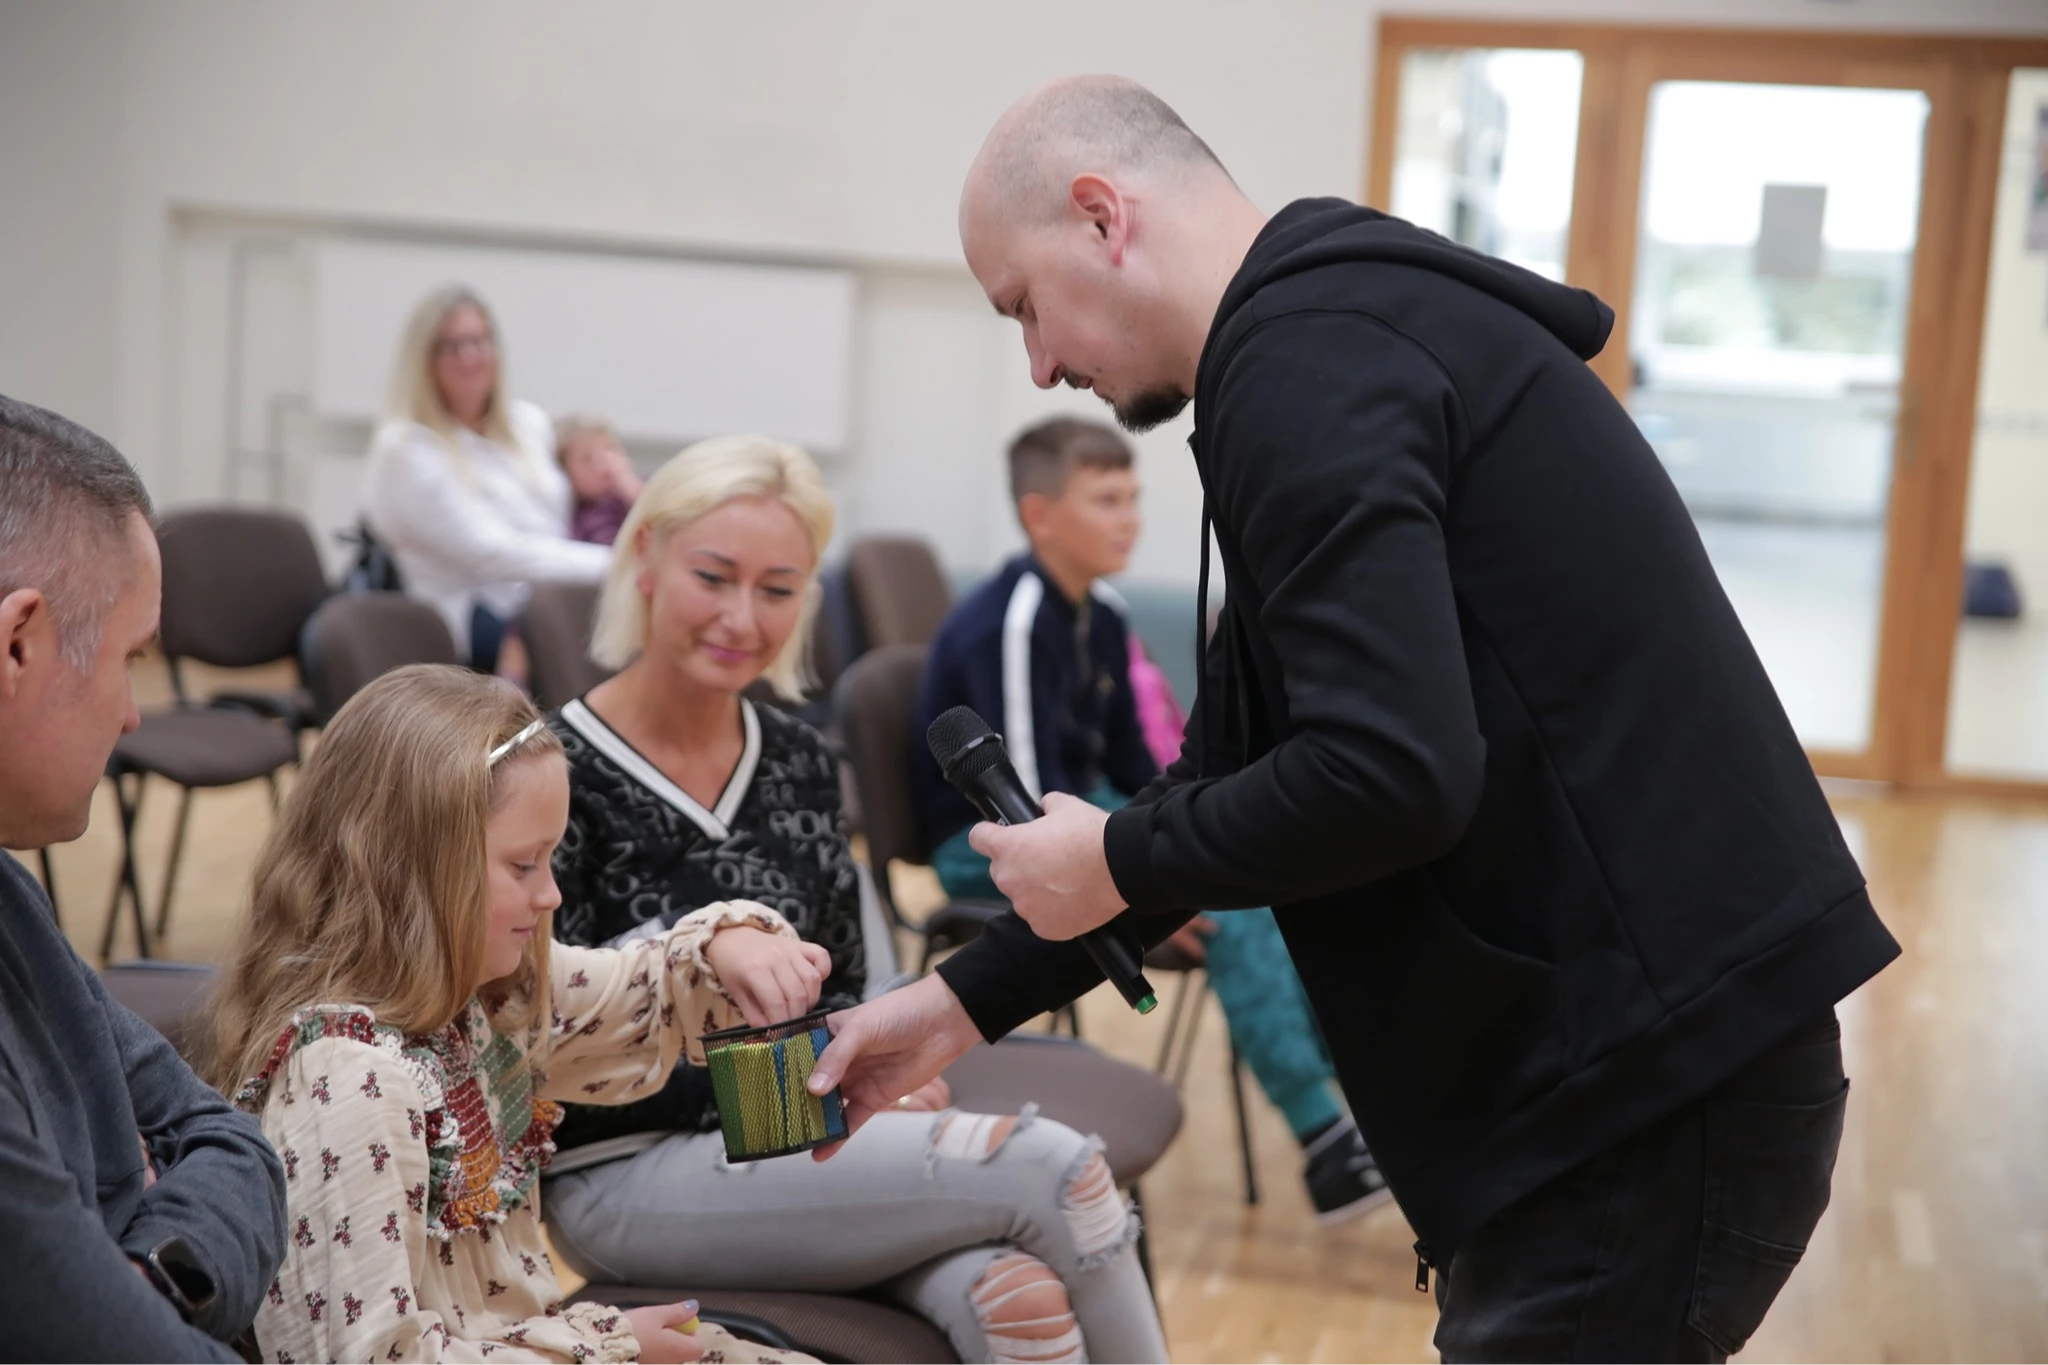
x=1007 y=1231
x=398 y=1019
x=463 y=485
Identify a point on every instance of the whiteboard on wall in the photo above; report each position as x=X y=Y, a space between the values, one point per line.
x=667 y=350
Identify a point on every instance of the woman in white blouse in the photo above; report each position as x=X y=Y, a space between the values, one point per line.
x=463 y=486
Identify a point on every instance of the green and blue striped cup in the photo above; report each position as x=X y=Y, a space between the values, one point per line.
x=759 y=1077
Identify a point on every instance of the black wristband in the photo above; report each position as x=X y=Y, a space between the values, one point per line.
x=178 y=1276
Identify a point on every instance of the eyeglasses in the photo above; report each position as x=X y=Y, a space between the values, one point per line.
x=465 y=347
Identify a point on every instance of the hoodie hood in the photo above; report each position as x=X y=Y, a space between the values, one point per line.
x=1311 y=234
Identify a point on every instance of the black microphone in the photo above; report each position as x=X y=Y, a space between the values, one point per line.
x=974 y=760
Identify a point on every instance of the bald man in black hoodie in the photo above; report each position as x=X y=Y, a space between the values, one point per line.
x=1479 y=723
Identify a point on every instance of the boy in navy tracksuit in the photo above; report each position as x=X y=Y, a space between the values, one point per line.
x=1042 y=652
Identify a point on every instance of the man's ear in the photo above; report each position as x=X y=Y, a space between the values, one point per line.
x=24 y=621
x=1034 y=510
x=1105 y=210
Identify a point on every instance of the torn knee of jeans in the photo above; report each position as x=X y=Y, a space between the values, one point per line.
x=1024 y=1312
x=1101 y=1221
x=977 y=1137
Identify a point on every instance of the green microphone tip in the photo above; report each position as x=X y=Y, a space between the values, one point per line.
x=1148 y=1004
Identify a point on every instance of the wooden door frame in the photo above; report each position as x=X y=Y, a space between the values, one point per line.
x=1965 y=79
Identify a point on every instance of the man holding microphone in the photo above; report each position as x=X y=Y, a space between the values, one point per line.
x=1478 y=722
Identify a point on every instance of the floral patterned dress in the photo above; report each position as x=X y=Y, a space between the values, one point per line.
x=412 y=1163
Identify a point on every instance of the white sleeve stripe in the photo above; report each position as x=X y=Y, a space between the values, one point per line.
x=1019 y=734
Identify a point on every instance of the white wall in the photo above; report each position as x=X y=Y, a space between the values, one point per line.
x=60 y=136
x=811 y=131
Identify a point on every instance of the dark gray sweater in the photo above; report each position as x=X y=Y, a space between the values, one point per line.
x=80 y=1078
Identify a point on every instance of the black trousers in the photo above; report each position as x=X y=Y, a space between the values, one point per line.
x=1671 y=1245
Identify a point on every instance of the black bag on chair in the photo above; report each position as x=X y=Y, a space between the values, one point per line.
x=373 y=569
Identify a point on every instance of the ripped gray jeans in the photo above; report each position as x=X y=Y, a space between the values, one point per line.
x=1008 y=1234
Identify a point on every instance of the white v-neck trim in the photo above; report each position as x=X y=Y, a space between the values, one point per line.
x=716 y=822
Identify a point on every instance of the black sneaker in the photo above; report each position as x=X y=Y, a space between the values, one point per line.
x=1343 y=1180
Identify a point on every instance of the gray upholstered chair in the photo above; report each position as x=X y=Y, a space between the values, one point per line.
x=876 y=700
x=900 y=593
x=238 y=586
x=836 y=1327
x=356 y=638
x=557 y=634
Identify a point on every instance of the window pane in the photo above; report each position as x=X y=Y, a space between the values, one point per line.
x=1773 y=262
x=1485 y=148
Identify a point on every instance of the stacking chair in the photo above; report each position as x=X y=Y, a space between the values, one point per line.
x=1183 y=1026
x=559 y=617
x=836 y=639
x=838 y=1327
x=875 y=701
x=238 y=585
x=900 y=594
x=354 y=639
x=169 y=996
x=193 y=748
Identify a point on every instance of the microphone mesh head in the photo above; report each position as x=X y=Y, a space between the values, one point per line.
x=956 y=732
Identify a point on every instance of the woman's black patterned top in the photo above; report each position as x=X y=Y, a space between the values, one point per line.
x=639 y=854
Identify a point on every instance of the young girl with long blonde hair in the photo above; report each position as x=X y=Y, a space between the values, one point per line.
x=397 y=1018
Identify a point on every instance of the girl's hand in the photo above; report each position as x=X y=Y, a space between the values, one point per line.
x=770 y=977
x=664 y=1338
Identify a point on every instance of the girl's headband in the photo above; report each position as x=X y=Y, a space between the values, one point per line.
x=509 y=745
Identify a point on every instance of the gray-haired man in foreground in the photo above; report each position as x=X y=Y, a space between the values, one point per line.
x=141 y=1217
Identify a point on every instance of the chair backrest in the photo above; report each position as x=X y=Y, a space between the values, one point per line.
x=239 y=584
x=354 y=639
x=557 y=632
x=900 y=594
x=171 y=997
x=876 y=701
x=835 y=635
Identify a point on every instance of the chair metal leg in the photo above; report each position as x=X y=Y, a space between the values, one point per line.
x=1068 y=1015
x=1180 y=1003
x=128 y=884
x=1191 y=1035
x=1244 y=1127
x=163 y=906
x=50 y=886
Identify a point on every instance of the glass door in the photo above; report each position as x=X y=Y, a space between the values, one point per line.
x=1766 y=338
x=1485 y=149
x=1998 y=696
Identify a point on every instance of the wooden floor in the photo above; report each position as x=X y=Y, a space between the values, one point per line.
x=1936 y=1247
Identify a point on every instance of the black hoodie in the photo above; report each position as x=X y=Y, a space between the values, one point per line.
x=1481 y=725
